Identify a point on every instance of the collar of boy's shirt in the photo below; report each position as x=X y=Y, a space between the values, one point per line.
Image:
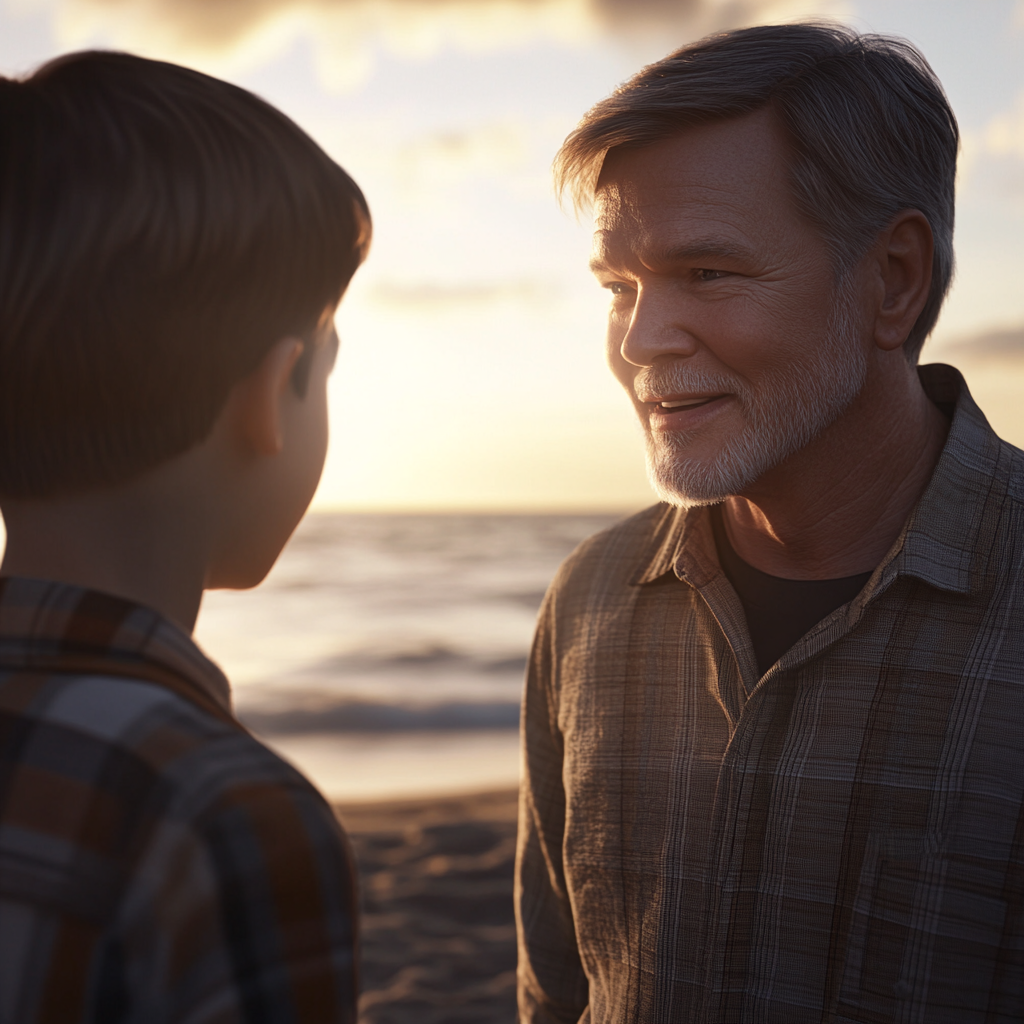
x=58 y=627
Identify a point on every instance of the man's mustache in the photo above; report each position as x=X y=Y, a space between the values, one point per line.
x=655 y=383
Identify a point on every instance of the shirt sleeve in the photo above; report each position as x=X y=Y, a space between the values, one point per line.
x=552 y=986
x=245 y=912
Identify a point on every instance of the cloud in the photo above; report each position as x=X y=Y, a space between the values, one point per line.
x=347 y=30
x=1004 y=134
x=419 y=296
x=992 y=159
x=1005 y=343
x=219 y=25
x=456 y=153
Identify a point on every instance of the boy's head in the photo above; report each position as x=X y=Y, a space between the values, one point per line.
x=160 y=231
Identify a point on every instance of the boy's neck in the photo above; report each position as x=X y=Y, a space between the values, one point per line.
x=135 y=542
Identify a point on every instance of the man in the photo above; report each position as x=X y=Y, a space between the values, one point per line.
x=774 y=725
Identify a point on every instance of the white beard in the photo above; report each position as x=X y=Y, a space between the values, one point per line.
x=787 y=410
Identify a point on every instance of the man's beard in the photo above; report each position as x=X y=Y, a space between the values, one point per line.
x=787 y=410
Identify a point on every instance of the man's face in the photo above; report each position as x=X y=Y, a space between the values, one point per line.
x=726 y=326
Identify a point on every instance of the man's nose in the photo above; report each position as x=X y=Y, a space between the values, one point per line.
x=657 y=328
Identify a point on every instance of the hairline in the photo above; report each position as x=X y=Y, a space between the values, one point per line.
x=584 y=187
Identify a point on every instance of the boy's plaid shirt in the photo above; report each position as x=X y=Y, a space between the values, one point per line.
x=157 y=863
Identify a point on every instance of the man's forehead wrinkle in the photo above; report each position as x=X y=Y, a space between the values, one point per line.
x=662 y=224
x=618 y=229
x=622 y=246
x=616 y=192
x=611 y=249
x=616 y=207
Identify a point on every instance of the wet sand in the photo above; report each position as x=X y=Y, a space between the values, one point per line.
x=438 y=936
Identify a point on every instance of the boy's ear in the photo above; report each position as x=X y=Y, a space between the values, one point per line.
x=255 y=403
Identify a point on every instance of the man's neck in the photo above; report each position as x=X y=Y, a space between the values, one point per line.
x=835 y=508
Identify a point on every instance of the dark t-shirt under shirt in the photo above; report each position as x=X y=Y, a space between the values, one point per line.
x=779 y=611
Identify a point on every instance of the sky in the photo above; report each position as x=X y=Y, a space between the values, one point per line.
x=471 y=374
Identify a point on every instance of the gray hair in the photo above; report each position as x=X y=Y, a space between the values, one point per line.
x=870 y=130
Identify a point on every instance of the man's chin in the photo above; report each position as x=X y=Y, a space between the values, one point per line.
x=672 y=494
x=685 y=501
x=691 y=483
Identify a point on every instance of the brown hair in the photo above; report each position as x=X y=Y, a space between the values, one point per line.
x=871 y=131
x=160 y=230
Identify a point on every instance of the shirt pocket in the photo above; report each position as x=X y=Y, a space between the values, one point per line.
x=926 y=931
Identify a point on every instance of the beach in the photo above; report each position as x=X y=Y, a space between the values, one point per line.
x=384 y=657
x=438 y=933
x=384 y=654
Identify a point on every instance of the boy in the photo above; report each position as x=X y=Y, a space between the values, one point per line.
x=172 y=251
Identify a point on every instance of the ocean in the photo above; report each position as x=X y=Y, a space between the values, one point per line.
x=384 y=654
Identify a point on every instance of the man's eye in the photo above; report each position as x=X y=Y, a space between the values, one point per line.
x=704 y=274
x=619 y=288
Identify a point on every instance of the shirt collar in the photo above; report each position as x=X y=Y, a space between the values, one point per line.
x=667 y=547
x=48 y=625
x=947 y=537
x=943 y=542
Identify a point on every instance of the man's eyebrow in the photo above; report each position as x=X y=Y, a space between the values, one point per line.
x=702 y=249
x=694 y=251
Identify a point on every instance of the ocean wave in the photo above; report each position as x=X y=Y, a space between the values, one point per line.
x=430 y=657
x=369 y=716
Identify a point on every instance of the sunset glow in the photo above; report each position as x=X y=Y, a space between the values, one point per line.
x=471 y=373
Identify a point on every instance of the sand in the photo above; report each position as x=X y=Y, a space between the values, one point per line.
x=438 y=934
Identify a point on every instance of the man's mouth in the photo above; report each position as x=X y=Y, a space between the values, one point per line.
x=678 y=404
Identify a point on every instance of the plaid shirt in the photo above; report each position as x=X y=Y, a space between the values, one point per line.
x=157 y=863
x=839 y=840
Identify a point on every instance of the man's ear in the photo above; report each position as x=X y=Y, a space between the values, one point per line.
x=904 y=263
x=255 y=404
